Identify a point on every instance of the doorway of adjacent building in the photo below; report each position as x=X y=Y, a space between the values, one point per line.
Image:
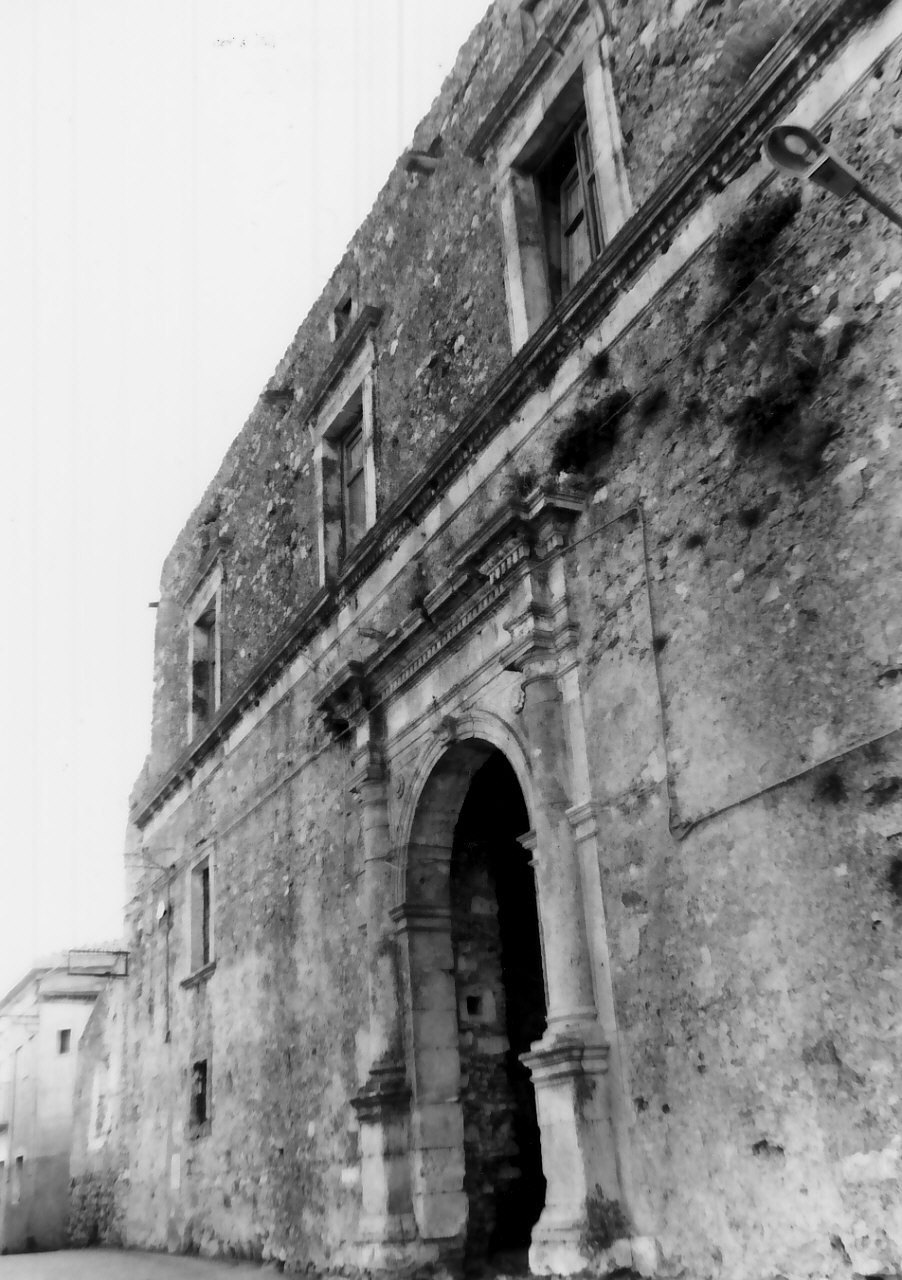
x=500 y=992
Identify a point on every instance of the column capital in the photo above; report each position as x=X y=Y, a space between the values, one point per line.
x=368 y=768
x=345 y=698
x=551 y=514
x=583 y=820
x=566 y=1058
x=533 y=655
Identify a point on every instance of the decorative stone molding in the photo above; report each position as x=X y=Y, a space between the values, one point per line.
x=421 y=918
x=367 y=320
x=566 y=1059
x=447 y=730
x=204 y=569
x=584 y=821
x=484 y=570
x=532 y=650
x=200 y=976
x=345 y=698
x=563 y=90
x=530 y=73
x=285 y=649
x=517 y=699
x=385 y=1091
x=528 y=841
x=541 y=631
x=387 y=1238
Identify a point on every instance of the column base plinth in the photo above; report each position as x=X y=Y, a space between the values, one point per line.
x=387 y=1236
x=565 y=1250
x=583 y=1224
x=392 y=1246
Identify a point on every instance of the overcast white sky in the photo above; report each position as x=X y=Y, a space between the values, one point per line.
x=177 y=180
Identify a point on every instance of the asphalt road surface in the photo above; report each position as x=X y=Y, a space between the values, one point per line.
x=124 y=1264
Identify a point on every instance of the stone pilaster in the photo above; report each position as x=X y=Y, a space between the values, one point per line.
x=583 y=1217
x=370 y=786
x=571 y=1001
x=387 y=1233
x=440 y=1203
x=387 y=1236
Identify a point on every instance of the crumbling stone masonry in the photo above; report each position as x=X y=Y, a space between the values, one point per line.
x=553 y=578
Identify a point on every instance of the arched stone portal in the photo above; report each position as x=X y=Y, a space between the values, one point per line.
x=412 y=776
x=475 y=1001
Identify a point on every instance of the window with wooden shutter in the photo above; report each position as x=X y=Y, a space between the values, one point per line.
x=353 y=486
x=570 y=215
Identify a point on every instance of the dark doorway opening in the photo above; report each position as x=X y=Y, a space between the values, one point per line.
x=501 y=1012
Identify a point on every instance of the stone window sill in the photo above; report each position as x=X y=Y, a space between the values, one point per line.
x=199 y=976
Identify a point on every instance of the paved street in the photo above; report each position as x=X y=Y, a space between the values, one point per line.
x=120 y=1264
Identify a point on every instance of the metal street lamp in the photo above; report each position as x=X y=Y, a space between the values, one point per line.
x=795 y=150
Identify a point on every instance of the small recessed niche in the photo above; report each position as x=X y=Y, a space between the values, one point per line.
x=474 y=1006
x=424 y=162
x=343 y=316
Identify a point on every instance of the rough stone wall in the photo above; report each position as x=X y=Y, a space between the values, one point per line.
x=98 y=1167
x=95 y=1215
x=274 y=1174
x=429 y=253
x=755 y=955
x=678 y=64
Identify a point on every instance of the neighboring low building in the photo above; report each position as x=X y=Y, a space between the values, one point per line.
x=518 y=863
x=41 y=1021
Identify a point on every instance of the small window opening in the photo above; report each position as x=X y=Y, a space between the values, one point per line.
x=353 y=486
x=18 y=1171
x=474 y=1006
x=570 y=211
x=201 y=936
x=65 y=1040
x=204 y=691
x=342 y=318
x=200 y=1112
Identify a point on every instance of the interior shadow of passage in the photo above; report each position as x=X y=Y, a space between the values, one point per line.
x=500 y=993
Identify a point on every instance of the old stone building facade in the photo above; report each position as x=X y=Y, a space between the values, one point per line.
x=41 y=1021
x=518 y=864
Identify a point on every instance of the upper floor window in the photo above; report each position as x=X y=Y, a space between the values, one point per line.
x=200 y=1115
x=554 y=142
x=571 y=218
x=201 y=916
x=203 y=665
x=353 y=485
x=64 y=1041
x=204 y=654
x=341 y=413
x=342 y=318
